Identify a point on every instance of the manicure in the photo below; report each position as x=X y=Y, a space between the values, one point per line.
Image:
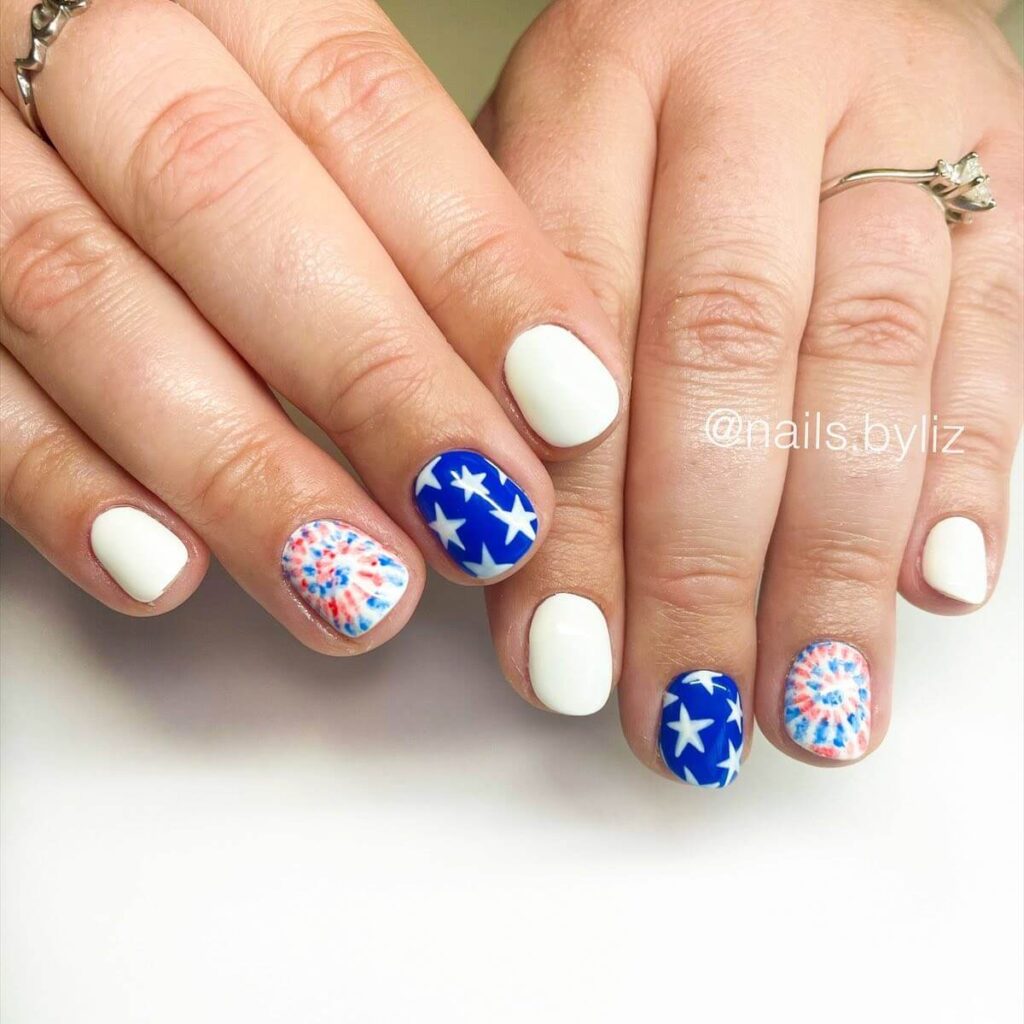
x=346 y=577
x=570 y=655
x=828 y=700
x=141 y=555
x=562 y=389
x=701 y=736
x=482 y=518
x=954 y=561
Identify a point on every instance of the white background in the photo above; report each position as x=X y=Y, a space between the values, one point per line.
x=204 y=822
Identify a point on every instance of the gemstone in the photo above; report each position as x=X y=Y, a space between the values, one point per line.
x=967 y=169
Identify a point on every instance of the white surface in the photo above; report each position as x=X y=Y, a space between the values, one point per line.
x=570 y=655
x=142 y=555
x=204 y=823
x=562 y=389
x=953 y=560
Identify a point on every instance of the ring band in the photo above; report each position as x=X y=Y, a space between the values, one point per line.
x=961 y=189
x=47 y=20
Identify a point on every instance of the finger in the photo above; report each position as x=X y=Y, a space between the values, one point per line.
x=723 y=307
x=956 y=546
x=381 y=124
x=827 y=605
x=199 y=169
x=83 y=512
x=558 y=624
x=104 y=333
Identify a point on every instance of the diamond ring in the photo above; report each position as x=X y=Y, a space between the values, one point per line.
x=961 y=189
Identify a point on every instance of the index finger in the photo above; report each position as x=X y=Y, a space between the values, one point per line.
x=506 y=298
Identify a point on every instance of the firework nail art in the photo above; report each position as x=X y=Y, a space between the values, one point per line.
x=828 y=700
x=483 y=519
x=347 y=578
x=701 y=735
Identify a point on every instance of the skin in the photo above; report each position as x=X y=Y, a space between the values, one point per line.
x=675 y=153
x=249 y=195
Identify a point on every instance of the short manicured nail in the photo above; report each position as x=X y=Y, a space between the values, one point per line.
x=347 y=578
x=570 y=655
x=701 y=736
x=828 y=700
x=562 y=389
x=142 y=556
x=954 y=562
x=483 y=518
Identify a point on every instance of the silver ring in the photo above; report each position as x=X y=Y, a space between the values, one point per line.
x=960 y=189
x=47 y=20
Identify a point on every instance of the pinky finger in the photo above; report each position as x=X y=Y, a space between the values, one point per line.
x=956 y=546
x=81 y=511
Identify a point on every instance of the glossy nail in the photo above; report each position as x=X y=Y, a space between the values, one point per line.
x=570 y=655
x=346 y=577
x=142 y=556
x=562 y=389
x=482 y=518
x=954 y=562
x=701 y=737
x=828 y=700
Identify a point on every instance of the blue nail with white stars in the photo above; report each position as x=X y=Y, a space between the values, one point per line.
x=701 y=736
x=482 y=518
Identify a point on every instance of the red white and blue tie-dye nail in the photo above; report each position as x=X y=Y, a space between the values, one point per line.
x=347 y=578
x=828 y=700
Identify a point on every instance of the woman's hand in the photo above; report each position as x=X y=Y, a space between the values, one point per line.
x=252 y=194
x=675 y=152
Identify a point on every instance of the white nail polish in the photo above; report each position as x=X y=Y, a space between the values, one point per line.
x=570 y=655
x=143 y=556
x=954 y=561
x=562 y=389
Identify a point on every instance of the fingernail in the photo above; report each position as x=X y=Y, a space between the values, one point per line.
x=347 y=578
x=701 y=735
x=954 y=562
x=142 y=556
x=570 y=655
x=828 y=700
x=483 y=519
x=562 y=389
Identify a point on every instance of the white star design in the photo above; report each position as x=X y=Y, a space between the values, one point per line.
x=668 y=698
x=731 y=764
x=447 y=529
x=735 y=712
x=518 y=521
x=689 y=730
x=694 y=781
x=703 y=678
x=470 y=483
x=426 y=477
x=487 y=567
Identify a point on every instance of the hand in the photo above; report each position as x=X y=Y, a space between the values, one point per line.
x=287 y=181
x=675 y=152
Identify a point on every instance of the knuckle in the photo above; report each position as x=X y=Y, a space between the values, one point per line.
x=987 y=442
x=878 y=330
x=243 y=463
x=56 y=267
x=713 y=584
x=352 y=83
x=196 y=154
x=713 y=325
x=484 y=256
x=586 y=516
x=375 y=383
x=833 y=555
x=45 y=461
